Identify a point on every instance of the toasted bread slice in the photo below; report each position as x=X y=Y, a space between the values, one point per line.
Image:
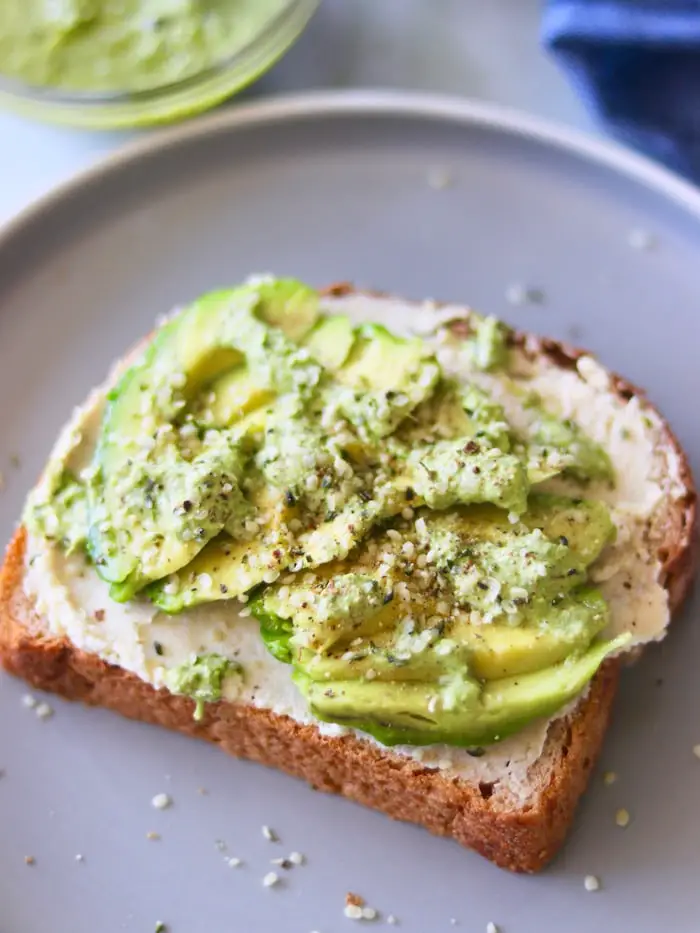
x=518 y=825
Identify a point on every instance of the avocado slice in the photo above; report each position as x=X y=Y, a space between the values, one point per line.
x=546 y=635
x=154 y=506
x=384 y=656
x=227 y=568
x=222 y=570
x=331 y=341
x=581 y=457
x=488 y=652
x=333 y=609
x=385 y=378
x=61 y=513
x=275 y=632
x=460 y=712
x=231 y=397
x=585 y=524
x=335 y=537
x=543 y=555
x=289 y=305
x=456 y=411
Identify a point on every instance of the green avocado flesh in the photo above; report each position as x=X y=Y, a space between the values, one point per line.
x=462 y=712
x=386 y=524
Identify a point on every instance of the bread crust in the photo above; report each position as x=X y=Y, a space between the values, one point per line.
x=520 y=835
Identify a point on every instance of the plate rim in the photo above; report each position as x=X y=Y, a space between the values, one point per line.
x=430 y=106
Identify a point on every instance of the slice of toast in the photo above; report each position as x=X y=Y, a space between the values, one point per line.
x=519 y=828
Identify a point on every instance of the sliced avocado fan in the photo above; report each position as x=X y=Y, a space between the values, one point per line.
x=460 y=712
x=416 y=661
x=160 y=494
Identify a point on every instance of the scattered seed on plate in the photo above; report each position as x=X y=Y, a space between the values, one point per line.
x=591 y=883
x=44 y=711
x=519 y=295
x=609 y=777
x=270 y=879
x=281 y=863
x=234 y=862
x=152 y=836
x=29 y=701
x=641 y=239
x=622 y=818
x=270 y=834
x=391 y=920
x=80 y=858
x=160 y=927
x=491 y=927
x=353 y=911
x=161 y=801
x=29 y=860
x=439 y=178
x=369 y=913
x=297 y=858
x=355 y=899
x=696 y=751
x=203 y=791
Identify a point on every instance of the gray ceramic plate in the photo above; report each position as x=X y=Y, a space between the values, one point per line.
x=325 y=188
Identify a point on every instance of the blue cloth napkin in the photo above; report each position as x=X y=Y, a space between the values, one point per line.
x=637 y=65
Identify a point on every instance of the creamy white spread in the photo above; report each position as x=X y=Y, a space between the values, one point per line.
x=68 y=593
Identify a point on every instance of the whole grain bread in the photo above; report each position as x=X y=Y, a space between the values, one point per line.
x=516 y=832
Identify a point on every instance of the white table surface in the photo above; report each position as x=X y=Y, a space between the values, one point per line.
x=487 y=49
